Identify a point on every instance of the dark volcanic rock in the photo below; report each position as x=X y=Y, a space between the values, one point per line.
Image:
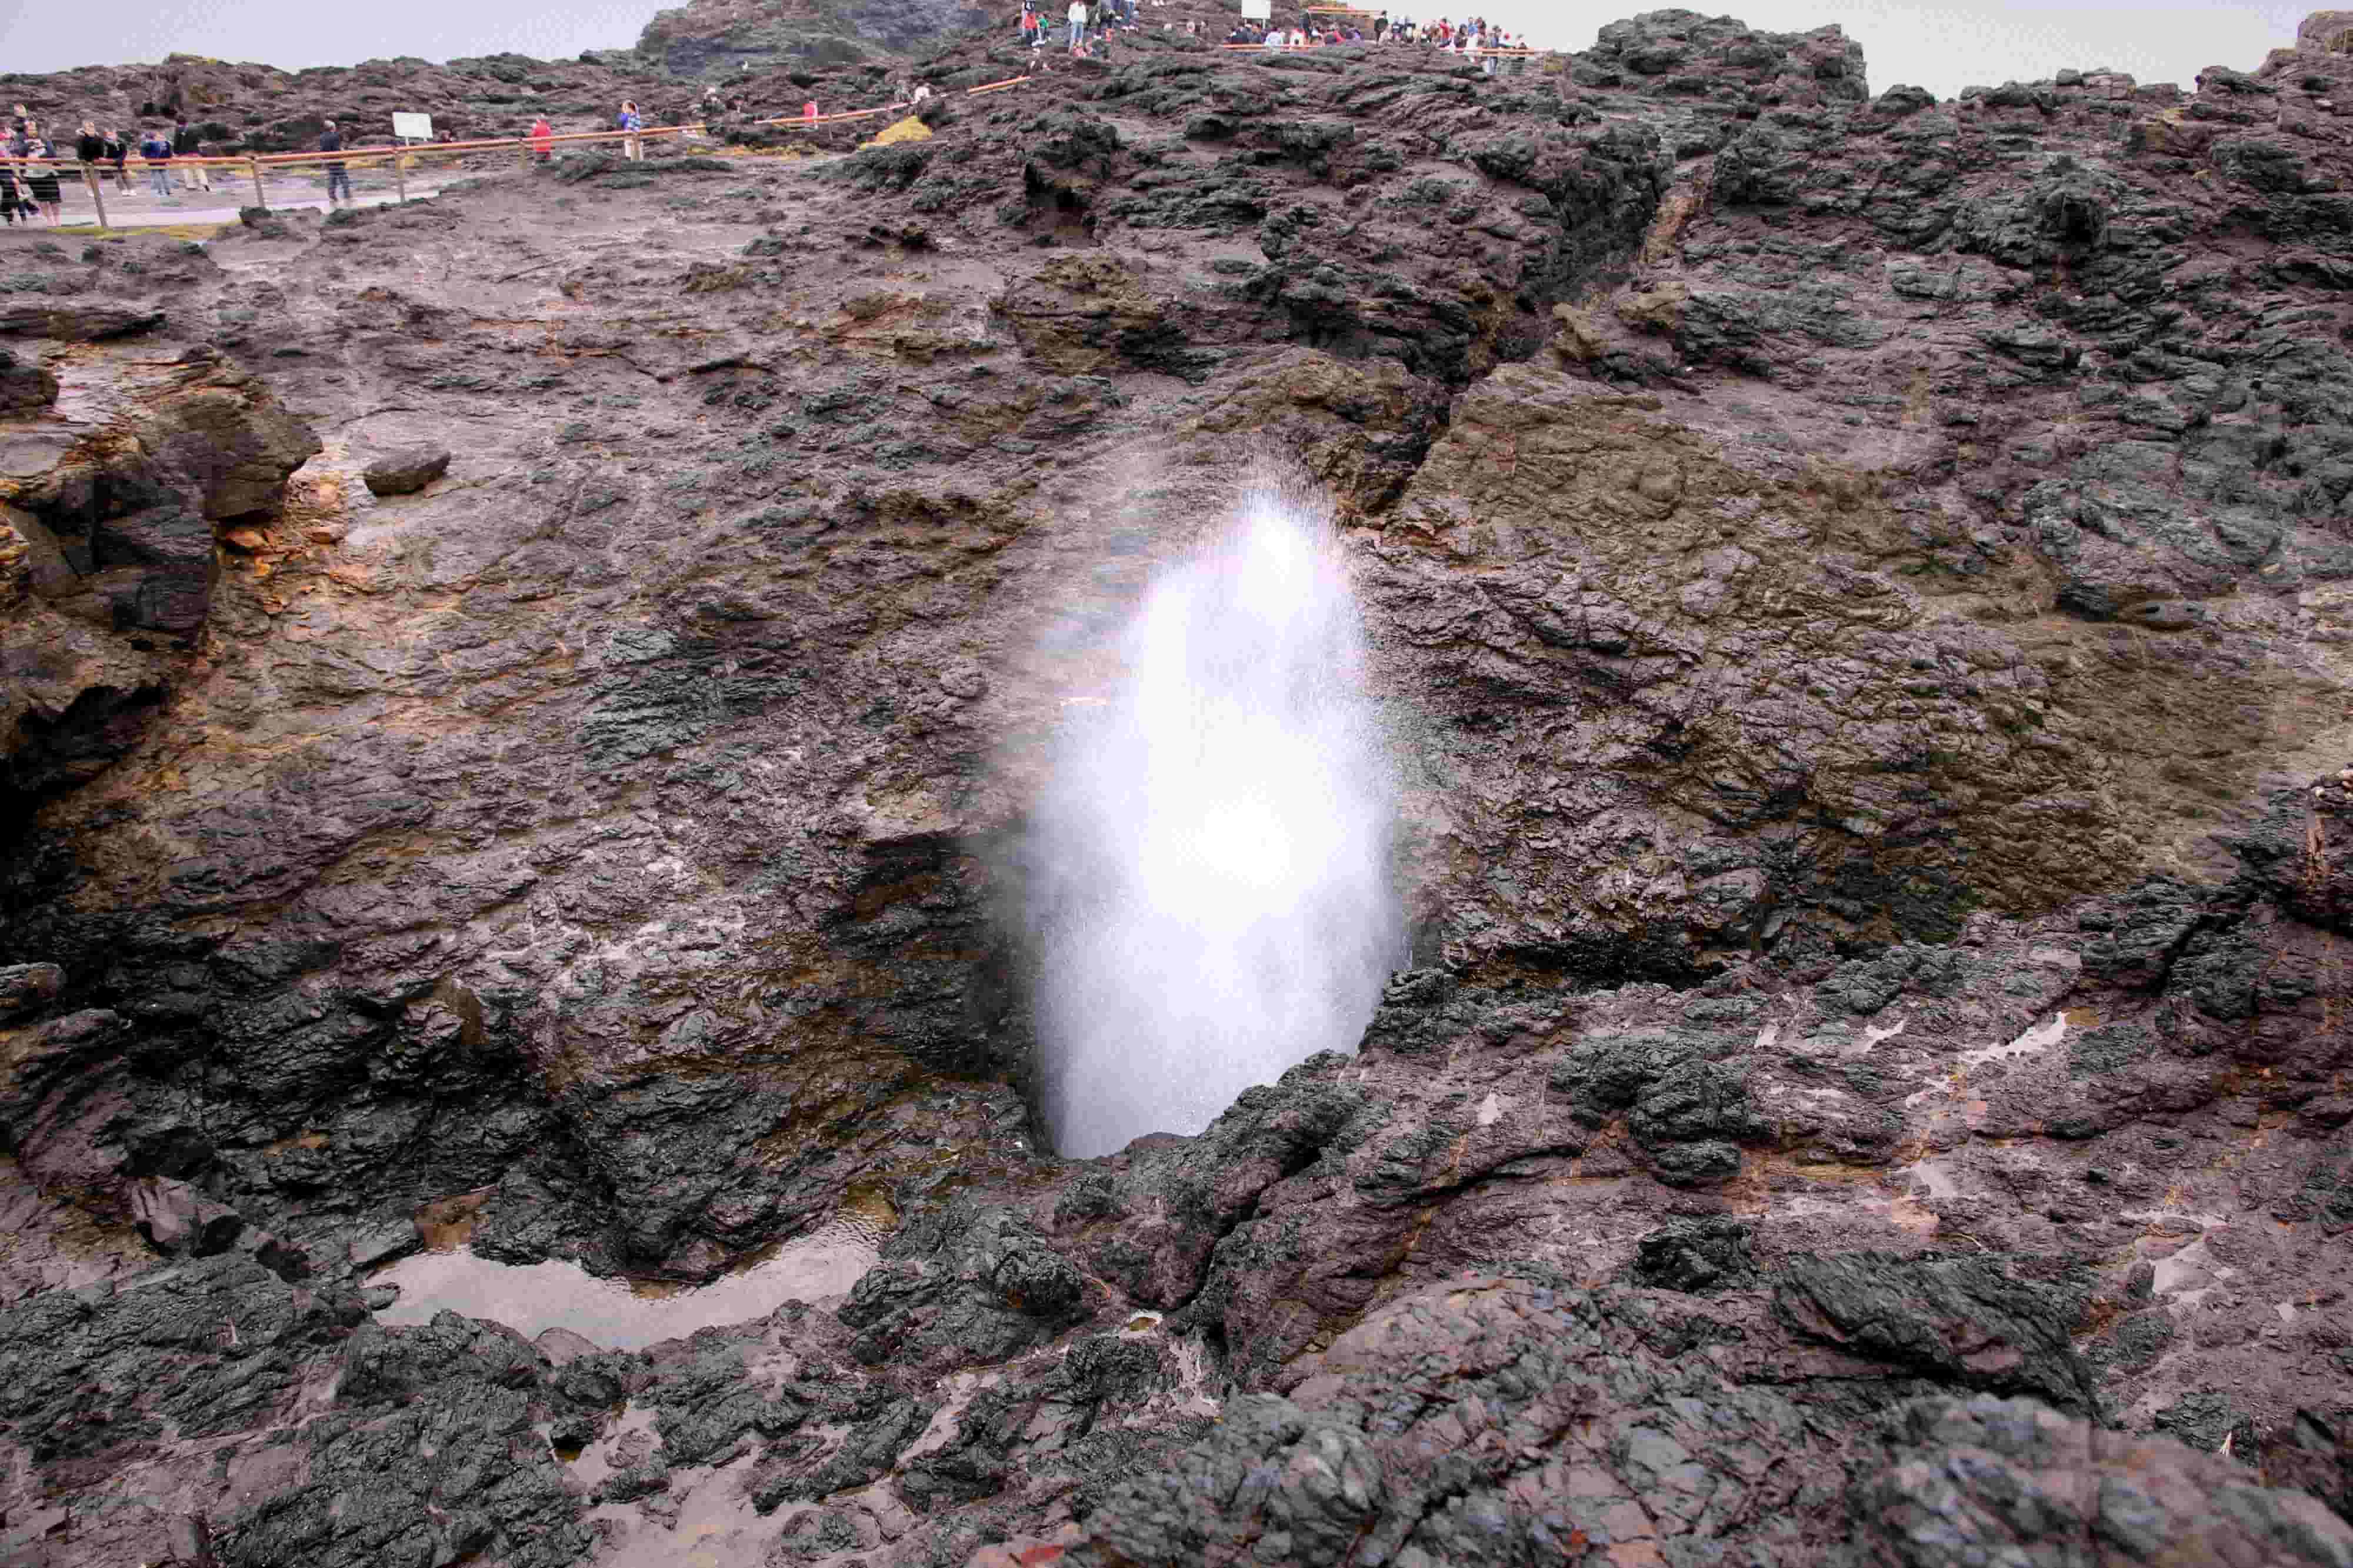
x=25 y=384
x=1975 y=1479
x=969 y=1286
x=1855 y=584
x=719 y=39
x=77 y=322
x=1548 y=1423
x=407 y=472
x=28 y=987
x=1697 y=1256
x=1968 y=1323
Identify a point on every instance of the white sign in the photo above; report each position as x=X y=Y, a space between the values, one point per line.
x=412 y=127
x=1256 y=10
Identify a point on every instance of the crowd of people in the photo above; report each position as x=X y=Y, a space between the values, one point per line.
x=33 y=187
x=1476 y=39
x=1087 y=24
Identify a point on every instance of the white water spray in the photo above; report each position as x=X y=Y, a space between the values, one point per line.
x=1209 y=866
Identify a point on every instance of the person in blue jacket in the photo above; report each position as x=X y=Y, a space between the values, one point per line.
x=156 y=148
x=338 y=178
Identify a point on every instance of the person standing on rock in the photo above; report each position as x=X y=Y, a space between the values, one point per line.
x=630 y=121
x=118 y=153
x=91 y=148
x=1078 y=18
x=1028 y=25
x=187 y=145
x=43 y=182
x=331 y=141
x=156 y=148
x=543 y=140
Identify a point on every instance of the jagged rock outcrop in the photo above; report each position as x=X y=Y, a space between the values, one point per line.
x=1857 y=585
x=110 y=510
x=722 y=40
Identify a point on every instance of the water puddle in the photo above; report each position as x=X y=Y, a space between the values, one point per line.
x=2034 y=1042
x=625 y=1314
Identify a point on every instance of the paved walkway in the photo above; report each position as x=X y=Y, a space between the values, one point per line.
x=141 y=208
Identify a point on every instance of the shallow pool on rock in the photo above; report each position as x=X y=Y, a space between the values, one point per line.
x=625 y=1314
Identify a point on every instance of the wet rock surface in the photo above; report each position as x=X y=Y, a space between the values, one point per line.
x=1858 y=588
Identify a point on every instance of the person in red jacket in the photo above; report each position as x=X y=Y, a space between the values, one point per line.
x=543 y=140
x=808 y=110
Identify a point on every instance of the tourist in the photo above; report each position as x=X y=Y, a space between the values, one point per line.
x=156 y=148
x=331 y=141
x=91 y=148
x=8 y=198
x=118 y=153
x=1029 y=32
x=630 y=122
x=188 y=145
x=808 y=112
x=42 y=181
x=543 y=140
x=1078 y=18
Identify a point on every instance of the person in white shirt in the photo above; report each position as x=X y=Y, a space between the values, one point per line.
x=1078 y=23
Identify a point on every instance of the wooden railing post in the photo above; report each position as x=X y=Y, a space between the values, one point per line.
x=399 y=176
x=253 y=160
x=90 y=177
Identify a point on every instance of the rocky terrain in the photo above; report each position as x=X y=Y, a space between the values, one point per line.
x=850 y=54
x=249 y=108
x=725 y=40
x=1859 y=587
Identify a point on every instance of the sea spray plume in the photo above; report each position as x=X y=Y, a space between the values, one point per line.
x=1208 y=867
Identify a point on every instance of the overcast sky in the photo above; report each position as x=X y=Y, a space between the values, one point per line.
x=1948 y=45
x=1943 y=47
